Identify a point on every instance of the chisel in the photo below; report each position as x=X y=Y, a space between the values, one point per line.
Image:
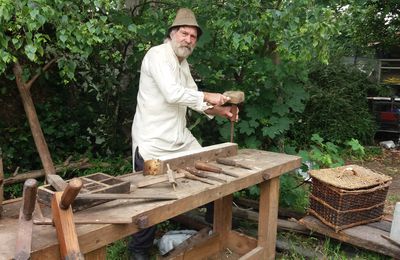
x=211 y=168
x=24 y=236
x=202 y=174
x=194 y=177
x=230 y=162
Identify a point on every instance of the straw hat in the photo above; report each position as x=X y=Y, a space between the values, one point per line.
x=185 y=16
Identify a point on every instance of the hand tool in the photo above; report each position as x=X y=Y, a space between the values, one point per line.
x=63 y=220
x=56 y=181
x=150 y=180
x=211 y=168
x=194 y=177
x=236 y=97
x=230 y=162
x=203 y=174
x=171 y=178
x=24 y=236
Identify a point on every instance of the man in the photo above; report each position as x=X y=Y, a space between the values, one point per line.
x=166 y=90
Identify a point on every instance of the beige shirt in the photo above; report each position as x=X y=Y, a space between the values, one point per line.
x=166 y=90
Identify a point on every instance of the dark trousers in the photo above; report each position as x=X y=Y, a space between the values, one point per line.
x=141 y=241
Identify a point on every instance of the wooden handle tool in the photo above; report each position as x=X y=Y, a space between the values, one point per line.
x=63 y=220
x=24 y=236
x=211 y=168
x=171 y=178
x=203 y=174
x=236 y=97
x=194 y=177
x=230 y=162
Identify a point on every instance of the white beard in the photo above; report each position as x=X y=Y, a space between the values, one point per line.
x=179 y=50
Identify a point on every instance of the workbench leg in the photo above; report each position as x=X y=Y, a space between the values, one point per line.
x=268 y=217
x=223 y=219
x=98 y=254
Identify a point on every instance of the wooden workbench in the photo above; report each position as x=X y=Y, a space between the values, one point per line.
x=93 y=238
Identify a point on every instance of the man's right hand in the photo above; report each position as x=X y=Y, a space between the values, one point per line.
x=215 y=99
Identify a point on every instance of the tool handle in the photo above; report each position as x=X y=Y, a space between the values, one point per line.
x=196 y=172
x=226 y=161
x=70 y=193
x=234 y=111
x=29 y=196
x=194 y=177
x=207 y=167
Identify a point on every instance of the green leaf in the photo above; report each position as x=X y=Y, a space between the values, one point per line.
x=30 y=51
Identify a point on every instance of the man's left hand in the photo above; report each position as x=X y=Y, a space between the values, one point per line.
x=223 y=111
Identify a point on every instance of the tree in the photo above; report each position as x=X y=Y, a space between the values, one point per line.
x=37 y=34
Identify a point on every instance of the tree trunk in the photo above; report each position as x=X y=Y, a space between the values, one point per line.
x=33 y=120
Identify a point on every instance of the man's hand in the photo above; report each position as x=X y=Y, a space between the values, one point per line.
x=223 y=111
x=215 y=99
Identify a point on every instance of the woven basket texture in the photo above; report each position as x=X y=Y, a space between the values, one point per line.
x=350 y=177
x=339 y=220
x=354 y=199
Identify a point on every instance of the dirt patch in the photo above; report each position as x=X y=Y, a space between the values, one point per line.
x=387 y=163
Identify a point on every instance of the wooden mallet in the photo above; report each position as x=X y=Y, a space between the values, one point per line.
x=63 y=220
x=236 y=97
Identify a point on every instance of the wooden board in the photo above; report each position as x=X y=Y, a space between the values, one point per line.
x=94 y=183
x=191 y=194
x=188 y=158
x=365 y=236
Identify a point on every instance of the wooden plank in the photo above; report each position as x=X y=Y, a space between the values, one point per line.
x=356 y=236
x=382 y=225
x=85 y=220
x=241 y=243
x=255 y=254
x=268 y=217
x=98 y=254
x=188 y=158
x=191 y=195
x=132 y=196
x=223 y=219
x=208 y=248
x=187 y=245
x=154 y=179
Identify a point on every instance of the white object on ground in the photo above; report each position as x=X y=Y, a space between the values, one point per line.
x=387 y=144
x=173 y=238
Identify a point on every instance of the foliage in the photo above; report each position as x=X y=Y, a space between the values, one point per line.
x=371 y=25
x=117 y=250
x=293 y=193
x=259 y=48
x=325 y=154
x=337 y=108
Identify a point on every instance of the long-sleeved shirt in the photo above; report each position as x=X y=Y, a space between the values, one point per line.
x=166 y=90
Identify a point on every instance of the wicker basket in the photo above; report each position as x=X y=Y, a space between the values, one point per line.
x=347 y=196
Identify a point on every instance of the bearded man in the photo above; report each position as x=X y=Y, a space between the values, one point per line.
x=166 y=90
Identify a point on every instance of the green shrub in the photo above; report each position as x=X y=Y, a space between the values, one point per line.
x=337 y=108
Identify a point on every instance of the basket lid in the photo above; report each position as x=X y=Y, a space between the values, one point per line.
x=350 y=177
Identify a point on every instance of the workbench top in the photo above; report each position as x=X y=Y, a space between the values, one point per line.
x=190 y=193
